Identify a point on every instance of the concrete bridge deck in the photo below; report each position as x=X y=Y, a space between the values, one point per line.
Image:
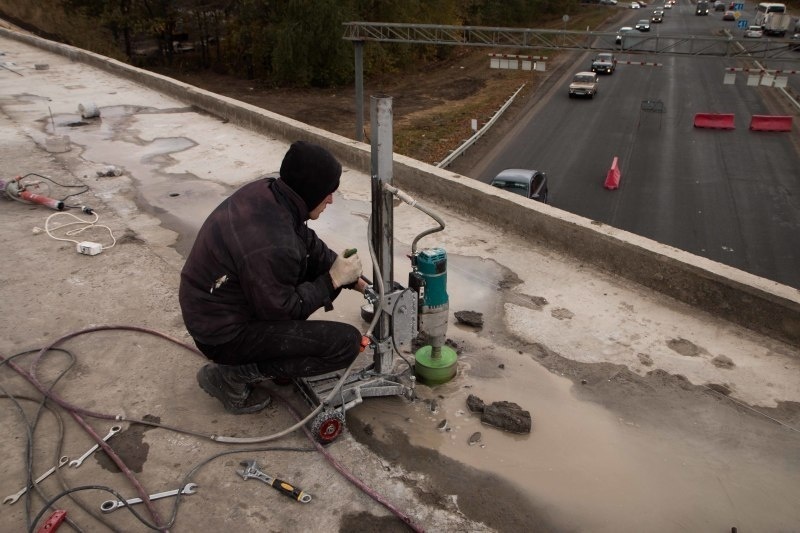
x=663 y=387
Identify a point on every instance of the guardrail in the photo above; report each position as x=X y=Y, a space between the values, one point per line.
x=478 y=134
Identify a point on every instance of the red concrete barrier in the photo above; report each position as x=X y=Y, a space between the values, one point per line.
x=770 y=123
x=720 y=121
x=613 y=176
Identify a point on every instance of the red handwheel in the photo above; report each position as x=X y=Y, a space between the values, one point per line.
x=327 y=426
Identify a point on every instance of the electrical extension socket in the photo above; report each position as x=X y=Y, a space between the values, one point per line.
x=89 y=248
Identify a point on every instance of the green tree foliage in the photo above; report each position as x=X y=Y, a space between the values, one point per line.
x=247 y=34
x=309 y=46
x=290 y=42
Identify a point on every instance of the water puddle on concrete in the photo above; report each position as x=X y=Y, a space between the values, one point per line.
x=179 y=199
x=589 y=467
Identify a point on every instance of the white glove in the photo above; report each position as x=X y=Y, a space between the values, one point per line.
x=345 y=270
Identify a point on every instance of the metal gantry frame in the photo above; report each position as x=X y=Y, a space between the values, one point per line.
x=649 y=43
x=522 y=38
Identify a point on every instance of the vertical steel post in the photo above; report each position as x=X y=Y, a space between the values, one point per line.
x=359 y=58
x=382 y=233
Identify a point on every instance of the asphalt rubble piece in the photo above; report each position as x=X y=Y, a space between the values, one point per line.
x=507 y=416
x=469 y=318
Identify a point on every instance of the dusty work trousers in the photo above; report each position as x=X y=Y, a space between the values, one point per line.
x=291 y=348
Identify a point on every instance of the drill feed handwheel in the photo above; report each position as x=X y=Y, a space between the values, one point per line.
x=327 y=426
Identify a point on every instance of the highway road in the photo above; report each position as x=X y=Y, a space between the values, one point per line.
x=729 y=195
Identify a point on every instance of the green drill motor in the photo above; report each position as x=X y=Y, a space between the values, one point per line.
x=435 y=363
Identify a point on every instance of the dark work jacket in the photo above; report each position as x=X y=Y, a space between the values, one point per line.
x=254 y=259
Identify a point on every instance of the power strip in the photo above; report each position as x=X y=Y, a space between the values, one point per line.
x=89 y=248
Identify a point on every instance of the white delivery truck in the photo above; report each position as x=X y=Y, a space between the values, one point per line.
x=773 y=18
x=777 y=24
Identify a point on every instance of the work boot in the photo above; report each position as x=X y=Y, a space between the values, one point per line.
x=233 y=386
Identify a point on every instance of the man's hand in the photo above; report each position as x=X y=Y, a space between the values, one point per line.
x=345 y=270
x=361 y=285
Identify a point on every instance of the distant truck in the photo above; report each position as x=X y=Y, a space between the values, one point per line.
x=773 y=18
x=776 y=24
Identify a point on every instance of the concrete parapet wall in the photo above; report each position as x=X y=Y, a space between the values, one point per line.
x=725 y=292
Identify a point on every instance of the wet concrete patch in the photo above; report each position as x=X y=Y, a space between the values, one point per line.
x=130 y=237
x=562 y=314
x=479 y=495
x=684 y=347
x=720 y=388
x=645 y=359
x=130 y=446
x=367 y=523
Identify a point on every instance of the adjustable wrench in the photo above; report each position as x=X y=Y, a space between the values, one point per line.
x=14 y=497
x=111 y=505
x=251 y=471
x=77 y=462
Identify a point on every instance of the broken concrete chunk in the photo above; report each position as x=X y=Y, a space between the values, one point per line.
x=470 y=318
x=475 y=438
x=723 y=361
x=507 y=416
x=475 y=404
x=109 y=171
x=434 y=406
x=88 y=110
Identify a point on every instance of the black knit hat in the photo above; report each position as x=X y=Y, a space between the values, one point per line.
x=311 y=171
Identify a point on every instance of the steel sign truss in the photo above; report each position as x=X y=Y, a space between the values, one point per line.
x=522 y=38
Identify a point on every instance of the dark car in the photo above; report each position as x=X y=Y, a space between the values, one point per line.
x=528 y=183
x=604 y=62
x=729 y=15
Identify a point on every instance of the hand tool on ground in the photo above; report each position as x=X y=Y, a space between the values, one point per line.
x=53 y=522
x=251 y=471
x=14 y=497
x=111 y=505
x=16 y=190
x=77 y=462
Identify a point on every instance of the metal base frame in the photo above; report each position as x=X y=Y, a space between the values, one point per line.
x=365 y=383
